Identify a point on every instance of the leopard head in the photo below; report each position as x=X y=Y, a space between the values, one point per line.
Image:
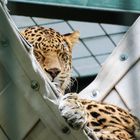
x=54 y=52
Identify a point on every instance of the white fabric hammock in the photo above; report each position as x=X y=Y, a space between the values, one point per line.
x=28 y=82
x=34 y=98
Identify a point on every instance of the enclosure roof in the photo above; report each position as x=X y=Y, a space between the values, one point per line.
x=109 y=4
x=125 y=12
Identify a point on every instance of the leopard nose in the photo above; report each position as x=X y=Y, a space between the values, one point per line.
x=53 y=72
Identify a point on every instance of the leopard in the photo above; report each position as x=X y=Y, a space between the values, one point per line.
x=100 y=121
x=53 y=51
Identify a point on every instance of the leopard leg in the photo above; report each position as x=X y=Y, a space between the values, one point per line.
x=73 y=111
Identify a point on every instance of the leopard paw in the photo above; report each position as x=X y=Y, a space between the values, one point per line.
x=72 y=110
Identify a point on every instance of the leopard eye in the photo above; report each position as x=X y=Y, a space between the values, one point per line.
x=65 y=57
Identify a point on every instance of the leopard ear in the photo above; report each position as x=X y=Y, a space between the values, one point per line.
x=72 y=38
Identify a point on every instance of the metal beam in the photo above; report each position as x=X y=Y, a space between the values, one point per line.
x=122 y=17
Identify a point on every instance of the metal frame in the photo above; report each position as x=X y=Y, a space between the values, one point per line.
x=122 y=17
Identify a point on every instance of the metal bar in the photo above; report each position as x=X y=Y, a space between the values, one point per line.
x=120 y=17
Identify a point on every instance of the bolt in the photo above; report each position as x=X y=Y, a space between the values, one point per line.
x=123 y=57
x=4 y=42
x=34 y=85
x=66 y=130
x=95 y=93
